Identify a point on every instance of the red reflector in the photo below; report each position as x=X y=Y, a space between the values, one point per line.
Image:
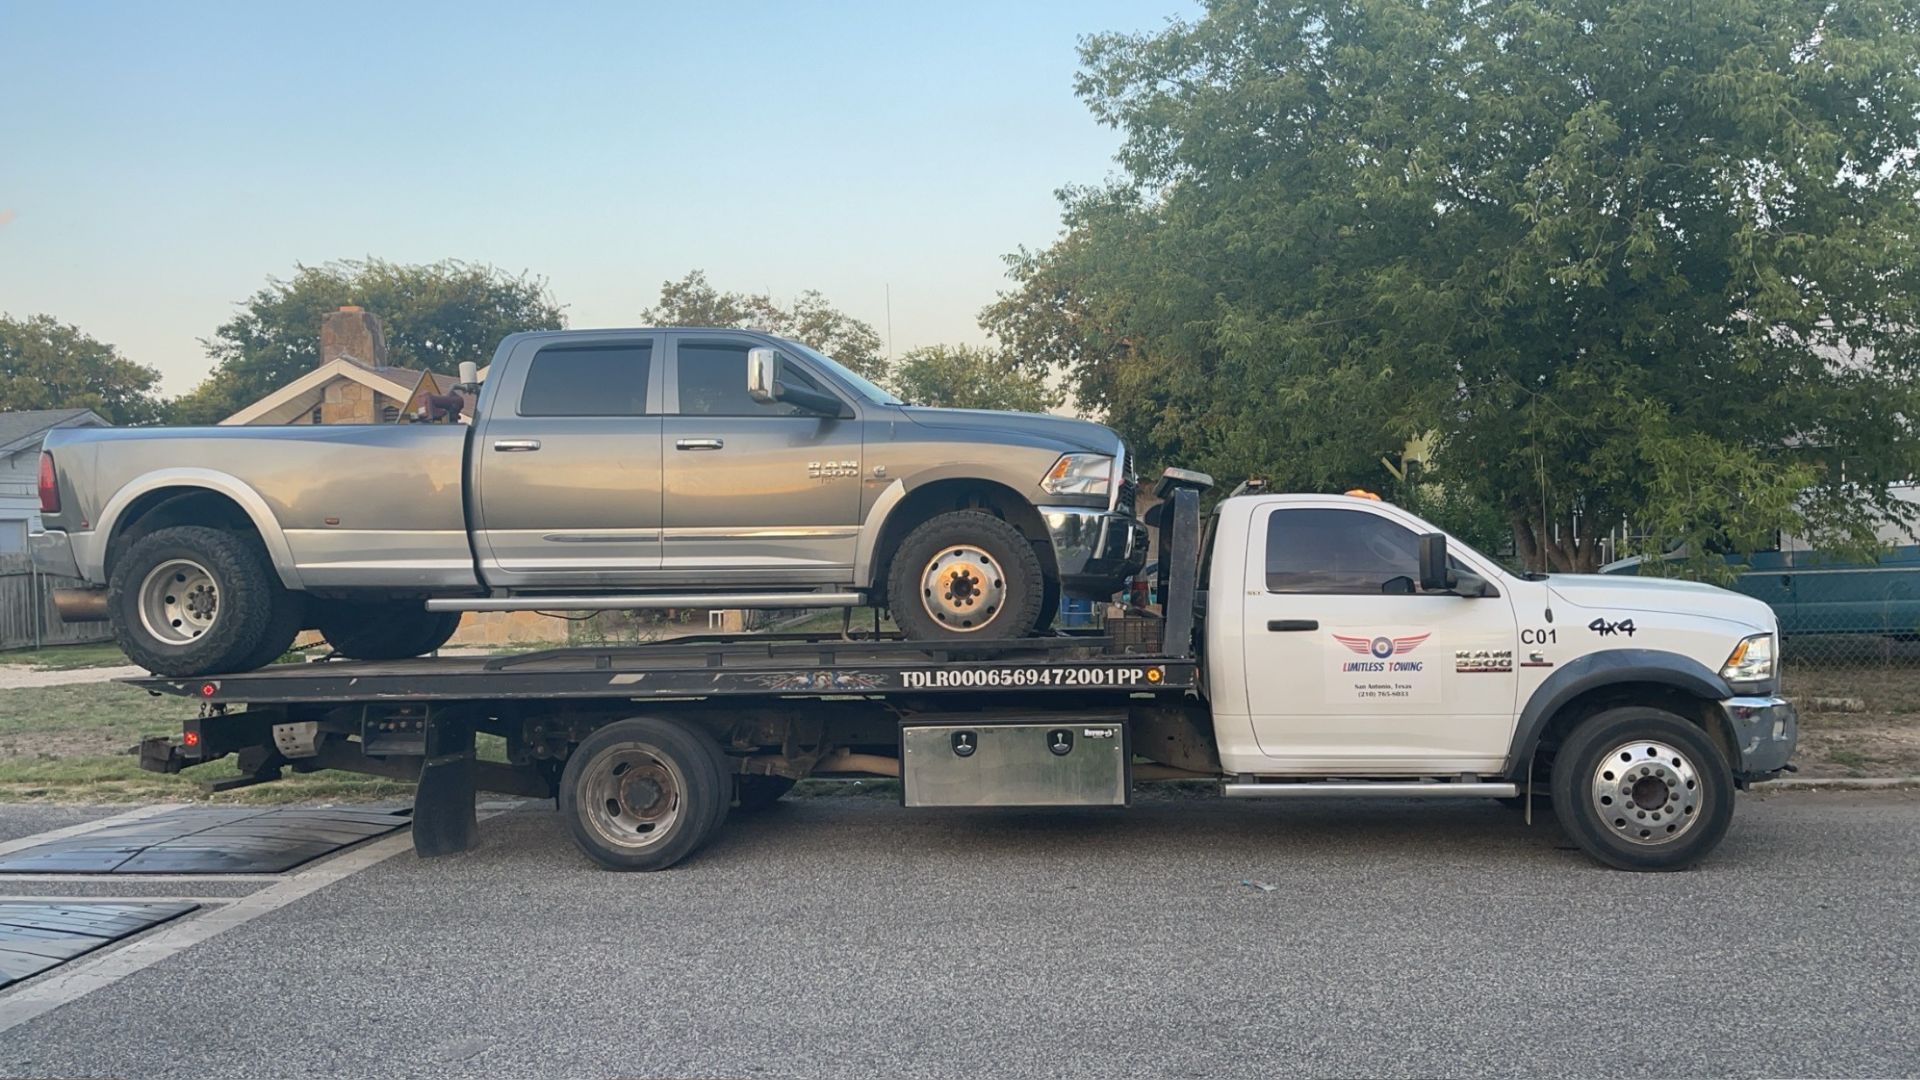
x=49 y=489
x=191 y=738
x=208 y=689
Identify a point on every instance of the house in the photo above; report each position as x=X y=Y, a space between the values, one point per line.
x=352 y=384
x=21 y=434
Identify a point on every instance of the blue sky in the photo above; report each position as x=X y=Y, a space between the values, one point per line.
x=158 y=162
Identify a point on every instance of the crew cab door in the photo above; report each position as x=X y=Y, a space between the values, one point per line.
x=1351 y=668
x=754 y=493
x=566 y=464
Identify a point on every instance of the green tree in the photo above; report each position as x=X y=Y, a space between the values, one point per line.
x=48 y=364
x=971 y=377
x=1623 y=261
x=435 y=315
x=810 y=320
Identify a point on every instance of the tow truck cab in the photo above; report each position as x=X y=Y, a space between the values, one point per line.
x=1344 y=636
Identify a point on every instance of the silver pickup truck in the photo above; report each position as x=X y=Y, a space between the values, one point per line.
x=601 y=470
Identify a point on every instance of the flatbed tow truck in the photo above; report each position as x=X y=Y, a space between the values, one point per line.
x=1305 y=645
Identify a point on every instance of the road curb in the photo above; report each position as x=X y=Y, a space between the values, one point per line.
x=1840 y=783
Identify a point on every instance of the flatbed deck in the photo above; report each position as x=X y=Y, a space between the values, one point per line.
x=723 y=666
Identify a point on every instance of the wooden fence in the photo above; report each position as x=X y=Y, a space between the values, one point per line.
x=27 y=618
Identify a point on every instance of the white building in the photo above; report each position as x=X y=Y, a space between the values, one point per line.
x=20 y=436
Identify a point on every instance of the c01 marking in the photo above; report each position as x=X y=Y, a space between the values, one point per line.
x=1548 y=636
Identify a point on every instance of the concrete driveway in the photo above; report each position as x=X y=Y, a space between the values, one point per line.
x=846 y=937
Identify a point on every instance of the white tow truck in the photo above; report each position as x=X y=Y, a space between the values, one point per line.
x=1306 y=646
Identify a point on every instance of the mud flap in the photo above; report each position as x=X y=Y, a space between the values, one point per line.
x=445 y=819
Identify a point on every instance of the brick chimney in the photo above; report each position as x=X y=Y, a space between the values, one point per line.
x=353 y=334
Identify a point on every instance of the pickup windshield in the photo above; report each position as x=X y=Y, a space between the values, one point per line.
x=863 y=387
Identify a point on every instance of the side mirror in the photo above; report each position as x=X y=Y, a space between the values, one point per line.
x=1433 y=563
x=763 y=375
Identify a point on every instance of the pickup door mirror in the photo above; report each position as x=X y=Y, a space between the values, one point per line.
x=763 y=375
x=765 y=368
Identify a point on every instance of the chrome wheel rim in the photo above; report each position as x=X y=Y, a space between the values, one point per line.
x=633 y=797
x=963 y=589
x=179 y=602
x=1647 y=793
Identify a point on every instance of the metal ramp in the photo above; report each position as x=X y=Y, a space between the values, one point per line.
x=208 y=840
x=39 y=935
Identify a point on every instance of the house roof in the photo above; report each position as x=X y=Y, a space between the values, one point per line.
x=24 y=430
x=302 y=394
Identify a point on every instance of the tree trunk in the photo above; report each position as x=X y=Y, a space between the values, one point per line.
x=1575 y=551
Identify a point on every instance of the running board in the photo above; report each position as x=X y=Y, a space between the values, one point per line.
x=648 y=600
x=1428 y=789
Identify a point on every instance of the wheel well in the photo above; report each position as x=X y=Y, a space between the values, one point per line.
x=166 y=507
x=1700 y=711
x=943 y=496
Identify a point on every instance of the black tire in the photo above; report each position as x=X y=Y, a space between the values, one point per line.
x=752 y=794
x=974 y=541
x=244 y=602
x=1674 y=798
x=1049 y=606
x=384 y=630
x=605 y=814
x=289 y=618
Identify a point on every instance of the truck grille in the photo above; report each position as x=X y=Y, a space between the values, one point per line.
x=1129 y=491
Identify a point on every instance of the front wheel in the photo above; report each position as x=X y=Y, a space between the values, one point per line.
x=965 y=576
x=1642 y=789
x=642 y=794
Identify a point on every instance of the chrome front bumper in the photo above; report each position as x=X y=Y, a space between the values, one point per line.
x=1765 y=731
x=1096 y=550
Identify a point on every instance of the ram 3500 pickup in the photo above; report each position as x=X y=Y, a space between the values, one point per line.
x=602 y=470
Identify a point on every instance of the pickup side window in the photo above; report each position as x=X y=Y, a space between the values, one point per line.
x=588 y=380
x=1341 y=551
x=713 y=382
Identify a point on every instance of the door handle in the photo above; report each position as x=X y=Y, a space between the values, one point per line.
x=1279 y=625
x=699 y=444
x=516 y=446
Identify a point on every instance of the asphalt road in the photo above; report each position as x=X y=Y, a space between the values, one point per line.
x=848 y=937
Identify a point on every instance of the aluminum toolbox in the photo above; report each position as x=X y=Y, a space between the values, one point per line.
x=1053 y=762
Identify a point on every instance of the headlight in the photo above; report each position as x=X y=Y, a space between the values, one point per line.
x=1751 y=661
x=1079 y=474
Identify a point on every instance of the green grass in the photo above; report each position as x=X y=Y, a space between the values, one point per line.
x=79 y=743
x=68 y=657
x=829 y=622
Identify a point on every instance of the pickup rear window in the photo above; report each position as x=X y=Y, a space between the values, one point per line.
x=588 y=380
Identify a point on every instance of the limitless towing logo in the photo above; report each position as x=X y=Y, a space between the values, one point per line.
x=1382 y=649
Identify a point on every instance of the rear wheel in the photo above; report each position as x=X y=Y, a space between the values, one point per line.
x=1642 y=789
x=642 y=794
x=384 y=630
x=965 y=575
x=193 y=600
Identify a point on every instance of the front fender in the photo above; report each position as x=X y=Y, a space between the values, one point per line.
x=93 y=560
x=1607 y=668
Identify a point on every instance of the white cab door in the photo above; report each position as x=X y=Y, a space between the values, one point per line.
x=1351 y=668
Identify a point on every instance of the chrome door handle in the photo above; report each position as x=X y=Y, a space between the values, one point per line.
x=516 y=446
x=699 y=444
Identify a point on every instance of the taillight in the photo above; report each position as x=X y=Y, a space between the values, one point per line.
x=49 y=488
